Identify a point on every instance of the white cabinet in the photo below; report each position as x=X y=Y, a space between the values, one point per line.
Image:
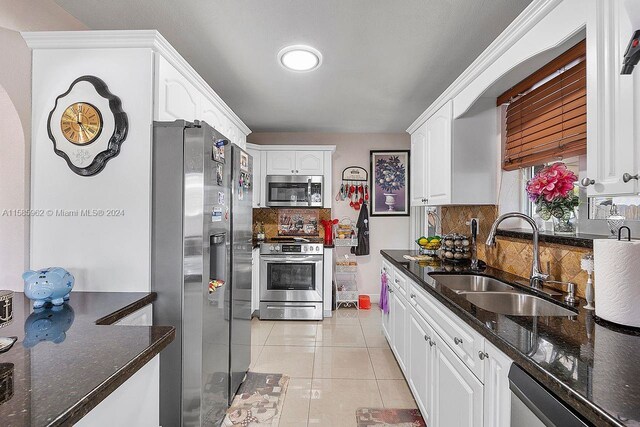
x=613 y=100
x=497 y=396
x=446 y=362
x=453 y=162
x=281 y=162
x=179 y=97
x=255 y=279
x=295 y=163
x=418 y=158
x=399 y=315
x=420 y=357
x=438 y=165
x=258 y=180
x=458 y=400
x=309 y=163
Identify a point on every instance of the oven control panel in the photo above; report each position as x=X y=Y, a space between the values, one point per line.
x=291 y=248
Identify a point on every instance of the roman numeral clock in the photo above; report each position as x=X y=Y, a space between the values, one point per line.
x=87 y=125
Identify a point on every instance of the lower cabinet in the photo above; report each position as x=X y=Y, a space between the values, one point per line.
x=447 y=387
x=420 y=359
x=399 y=320
x=497 y=396
x=458 y=400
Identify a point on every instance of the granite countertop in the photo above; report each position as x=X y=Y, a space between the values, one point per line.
x=590 y=364
x=68 y=359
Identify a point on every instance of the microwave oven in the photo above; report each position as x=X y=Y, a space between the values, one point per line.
x=294 y=191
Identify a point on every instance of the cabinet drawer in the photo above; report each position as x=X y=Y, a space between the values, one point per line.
x=402 y=283
x=460 y=337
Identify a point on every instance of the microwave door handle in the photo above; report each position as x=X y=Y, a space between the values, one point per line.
x=309 y=191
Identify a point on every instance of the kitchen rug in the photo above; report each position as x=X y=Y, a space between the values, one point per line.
x=367 y=417
x=258 y=402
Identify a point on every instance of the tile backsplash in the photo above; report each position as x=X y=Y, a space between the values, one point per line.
x=270 y=218
x=515 y=255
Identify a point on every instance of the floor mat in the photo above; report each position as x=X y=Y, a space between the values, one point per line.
x=259 y=401
x=366 y=417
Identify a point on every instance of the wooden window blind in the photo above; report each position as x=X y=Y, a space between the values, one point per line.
x=549 y=121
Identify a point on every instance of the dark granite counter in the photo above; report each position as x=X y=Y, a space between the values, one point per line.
x=589 y=364
x=68 y=359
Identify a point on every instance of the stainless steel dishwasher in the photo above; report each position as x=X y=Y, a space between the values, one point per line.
x=532 y=405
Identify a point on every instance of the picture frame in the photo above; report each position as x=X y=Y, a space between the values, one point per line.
x=389 y=183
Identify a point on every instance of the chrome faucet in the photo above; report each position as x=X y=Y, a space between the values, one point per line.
x=537 y=276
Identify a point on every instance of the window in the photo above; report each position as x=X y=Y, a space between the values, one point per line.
x=546 y=113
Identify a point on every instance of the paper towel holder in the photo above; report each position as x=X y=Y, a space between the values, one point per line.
x=628 y=233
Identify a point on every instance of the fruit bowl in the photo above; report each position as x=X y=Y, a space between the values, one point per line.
x=431 y=243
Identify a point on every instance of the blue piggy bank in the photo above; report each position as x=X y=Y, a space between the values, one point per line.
x=48 y=285
x=48 y=324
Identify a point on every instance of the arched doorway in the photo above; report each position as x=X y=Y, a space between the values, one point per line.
x=13 y=196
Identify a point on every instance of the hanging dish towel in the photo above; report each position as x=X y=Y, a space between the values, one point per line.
x=384 y=293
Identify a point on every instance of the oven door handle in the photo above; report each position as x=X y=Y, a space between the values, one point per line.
x=311 y=259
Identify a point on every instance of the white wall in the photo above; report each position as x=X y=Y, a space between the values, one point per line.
x=15 y=124
x=352 y=149
x=106 y=253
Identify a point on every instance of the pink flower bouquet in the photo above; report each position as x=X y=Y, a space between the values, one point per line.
x=552 y=190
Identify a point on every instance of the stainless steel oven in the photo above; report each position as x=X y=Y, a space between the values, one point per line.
x=294 y=190
x=291 y=281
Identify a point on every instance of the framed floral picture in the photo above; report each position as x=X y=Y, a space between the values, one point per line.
x=389 y=183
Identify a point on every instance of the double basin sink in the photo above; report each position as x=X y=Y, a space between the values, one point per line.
x=499 y=297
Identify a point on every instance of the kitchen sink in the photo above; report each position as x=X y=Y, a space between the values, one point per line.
x=462 y=283
x=516 y=304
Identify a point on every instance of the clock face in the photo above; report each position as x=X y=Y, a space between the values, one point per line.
x=81 y=123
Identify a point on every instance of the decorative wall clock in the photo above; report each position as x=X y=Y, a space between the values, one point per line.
x=87 y=125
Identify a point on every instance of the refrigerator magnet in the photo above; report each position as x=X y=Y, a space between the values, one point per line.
x=220 y=198
x=219 y=175
x=244 y=162
x=216 y=215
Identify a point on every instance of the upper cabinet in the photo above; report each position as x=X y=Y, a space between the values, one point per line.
x=438 y=170
x=281 y=162
x=179 y=95
x=613 y=109
x=295 y=162
x=418 y=166
x=454 y=161
x=309 y=163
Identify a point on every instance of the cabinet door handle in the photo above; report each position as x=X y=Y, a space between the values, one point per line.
x=628 y=177
x=413 y=295
x=482 y=355
x=457 y=340
x=291 y=170
x=427 y=338
x=587 y=182
x=431 y=342
x=296 y=171
x=395 y=280
x=390 y=290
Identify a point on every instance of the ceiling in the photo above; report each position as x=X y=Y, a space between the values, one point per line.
x=384 y=61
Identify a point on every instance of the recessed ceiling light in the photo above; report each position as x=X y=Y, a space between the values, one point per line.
x=300 y=58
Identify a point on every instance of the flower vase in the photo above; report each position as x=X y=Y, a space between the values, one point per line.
x=390 y=200
x=566 y=225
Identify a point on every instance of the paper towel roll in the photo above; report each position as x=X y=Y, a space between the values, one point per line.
x=617 y=284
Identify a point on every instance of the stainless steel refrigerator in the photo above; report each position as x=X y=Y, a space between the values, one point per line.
x=201 y=269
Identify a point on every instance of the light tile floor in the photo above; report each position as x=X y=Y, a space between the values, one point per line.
x=336 y=366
